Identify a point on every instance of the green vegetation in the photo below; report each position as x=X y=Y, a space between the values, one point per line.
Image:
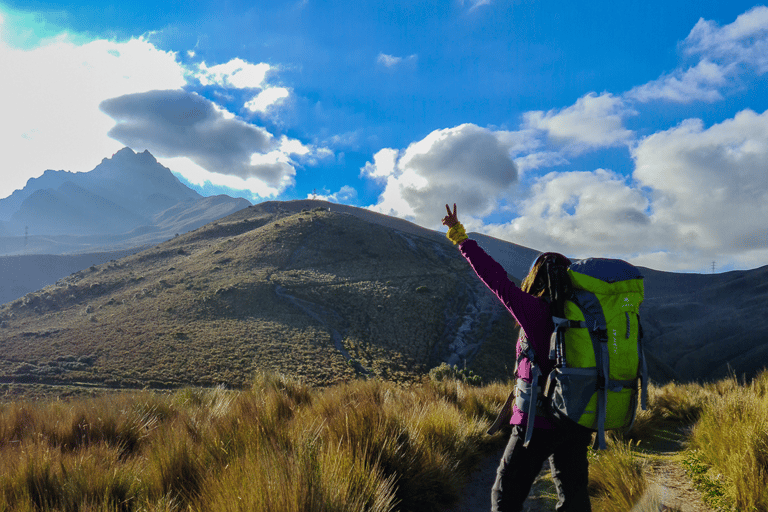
x=447 y=372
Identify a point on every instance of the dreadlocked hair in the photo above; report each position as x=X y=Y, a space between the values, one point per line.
x=548 y=279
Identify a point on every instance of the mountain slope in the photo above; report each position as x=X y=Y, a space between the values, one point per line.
x=326 y=295
x=73 y=210
x=323 y=295
x=707 y=326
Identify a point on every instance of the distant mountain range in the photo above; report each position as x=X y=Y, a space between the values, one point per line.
x=67 y=219
x=325 y=292
x=128 y=200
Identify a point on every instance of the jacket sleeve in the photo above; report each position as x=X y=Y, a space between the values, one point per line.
x=527 y=309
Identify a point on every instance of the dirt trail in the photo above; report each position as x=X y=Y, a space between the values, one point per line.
x=670 y=489
x=477 y=493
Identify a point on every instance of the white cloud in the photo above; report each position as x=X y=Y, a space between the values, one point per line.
x=201 y=177
x=345 y=195
x=725 y=53
x=236 y=73
x=593 y=122
x=743 y=41
x=466 y=164
x=580 y=214
x=697 y=195
x=293 y=147
x=383 y=166
x=710 y=183
x=699 y=83
x=475 y=4
x=267 y=98
x=177 y=123
x=390 y=61
x=61 y=127
x=51 y=116
x=539 y=160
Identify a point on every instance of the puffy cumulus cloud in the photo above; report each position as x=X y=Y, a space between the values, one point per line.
x=175 y=123
x=744 y=41
x=593 y=122
x=51 y=94
x=699 y=83
x=528 y=150
x=581 y=214
x=711 y=184
x=383 y=166
x=697 y=195
x=466 y=164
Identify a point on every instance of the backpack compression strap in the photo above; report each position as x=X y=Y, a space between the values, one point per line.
x=527 y=393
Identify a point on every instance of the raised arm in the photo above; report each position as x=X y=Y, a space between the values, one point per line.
x=526 y=308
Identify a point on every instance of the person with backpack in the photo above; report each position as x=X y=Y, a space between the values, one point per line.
x=534 y=438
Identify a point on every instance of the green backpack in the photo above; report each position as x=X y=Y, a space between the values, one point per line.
x=598 y=348
x=598 y=353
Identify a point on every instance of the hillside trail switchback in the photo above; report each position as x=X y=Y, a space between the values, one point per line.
x=670 y=489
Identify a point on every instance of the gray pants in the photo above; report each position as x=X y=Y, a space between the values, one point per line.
x=565 y=446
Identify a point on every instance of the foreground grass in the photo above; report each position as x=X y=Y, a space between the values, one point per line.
x=367 y=445
x=724 y=431
x=281 y=446
x=729 y=444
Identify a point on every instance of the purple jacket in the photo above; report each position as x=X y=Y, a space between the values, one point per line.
x=532 y=313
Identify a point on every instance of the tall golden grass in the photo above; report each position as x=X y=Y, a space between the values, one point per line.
x=367 y=445
x=280 y=446
x=731 y=438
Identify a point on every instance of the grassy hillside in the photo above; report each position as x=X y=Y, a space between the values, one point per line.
x=320 y=295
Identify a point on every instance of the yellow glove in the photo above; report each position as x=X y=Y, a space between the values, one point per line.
x=457 y=234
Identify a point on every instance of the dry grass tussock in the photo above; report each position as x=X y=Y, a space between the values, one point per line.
x=729 y=444
x=721 y=432
x=620 y=476
x=282 y=446
x=367 y=445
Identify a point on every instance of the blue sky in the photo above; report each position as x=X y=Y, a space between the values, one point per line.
x=633 y=130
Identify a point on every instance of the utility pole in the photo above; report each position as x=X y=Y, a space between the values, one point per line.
x=713 y=267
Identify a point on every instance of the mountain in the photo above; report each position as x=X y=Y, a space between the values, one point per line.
x=319 y=294
x=324 y=292
x=127 y=203
x=707 y=326
x=128 y=200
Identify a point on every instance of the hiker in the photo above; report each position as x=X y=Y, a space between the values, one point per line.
x=563 y=441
